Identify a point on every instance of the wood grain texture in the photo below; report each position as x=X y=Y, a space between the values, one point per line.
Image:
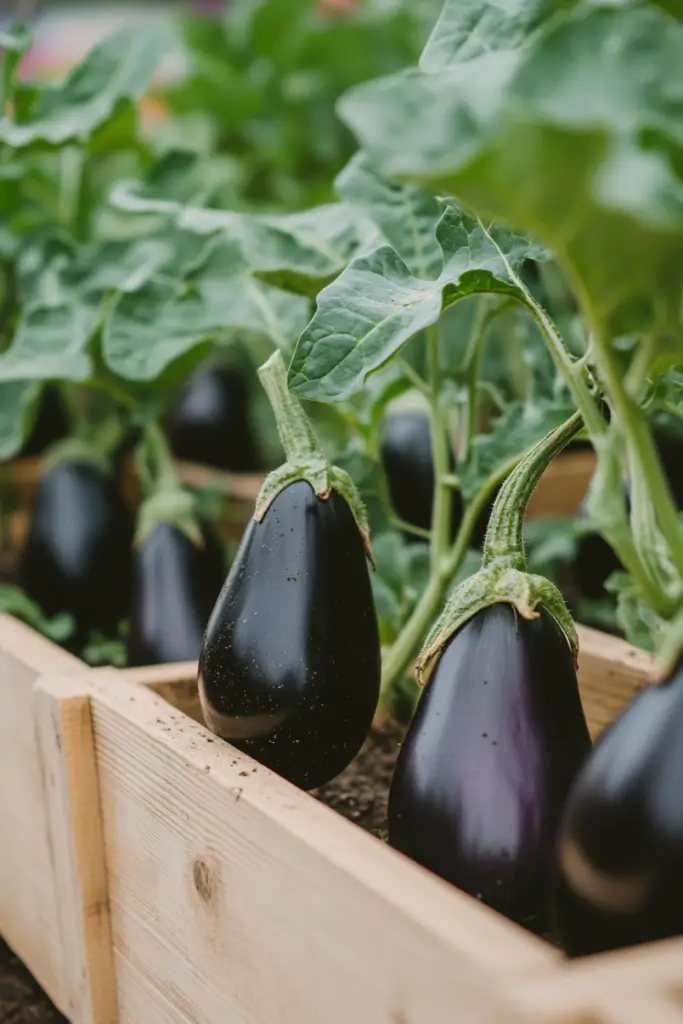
x=29 y=920
x=64 y=728
x=236 y=897
x=611 y=673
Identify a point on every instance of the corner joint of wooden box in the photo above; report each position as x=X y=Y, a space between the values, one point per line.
x=64 y=731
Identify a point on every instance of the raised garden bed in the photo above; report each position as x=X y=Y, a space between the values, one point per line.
x=150 y=867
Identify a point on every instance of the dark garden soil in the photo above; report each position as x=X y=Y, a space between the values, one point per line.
x=360 y=793
x=22 y=1001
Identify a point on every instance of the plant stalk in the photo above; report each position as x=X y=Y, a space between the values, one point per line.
x=408 y=643
x=443 y=495
x=296 y=434
x=639 y=440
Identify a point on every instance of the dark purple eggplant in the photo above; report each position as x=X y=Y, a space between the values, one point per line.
x=78 y=557
x=175 y=586
x=482 y=777
x=210 y=423
x=620 y=845
x=409 y=467
x=50 y=424
x=290 y=666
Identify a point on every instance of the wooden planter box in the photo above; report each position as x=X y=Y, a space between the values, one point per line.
x=151 y=874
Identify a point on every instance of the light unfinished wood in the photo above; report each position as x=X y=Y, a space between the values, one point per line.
x=236 y=897
x=564 y=485
x=611 y=672
x=642 y=985
x=29 y=918
x=65 y=738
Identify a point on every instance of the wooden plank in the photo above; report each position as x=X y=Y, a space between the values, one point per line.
x=236 y=897
x=611 y=672
x=65 y=735
x=29 y=920
x=176 y=683
x=641 y=985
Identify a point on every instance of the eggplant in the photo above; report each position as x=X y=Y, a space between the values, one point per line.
x=487 y=762
x=290 y=667
x=210 y=423
x=175 y=585
x=77 y=556
x=409 y=467
x=50 y=425
x=619 y=875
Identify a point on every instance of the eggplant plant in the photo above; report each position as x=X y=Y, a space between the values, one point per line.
x=507 y=244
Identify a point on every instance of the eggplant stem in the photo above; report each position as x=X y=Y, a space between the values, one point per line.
x=504 y=543
x=296 y=434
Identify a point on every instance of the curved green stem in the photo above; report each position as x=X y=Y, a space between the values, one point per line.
x=298 y=440
x=639 y=439
x=156 y=466
x=504 y=536
x=425 y=611
x=573 y=373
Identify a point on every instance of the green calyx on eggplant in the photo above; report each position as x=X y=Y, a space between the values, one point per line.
x=498 y=736
x=210 y=424
x=290 y=666
x=77 y=557
x=499 y=732
x=408 y=463
x=619 y=875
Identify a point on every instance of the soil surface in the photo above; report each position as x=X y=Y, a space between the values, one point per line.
x=361 y=792
x=22 y=1001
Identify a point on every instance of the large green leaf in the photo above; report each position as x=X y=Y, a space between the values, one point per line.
x=377 y=304
x=50 y=344
x=299 y=252
x=17 y=403
x=148 y=329
x=577 y=138
x=407 y=216
x=118 y=69
x=468 y=29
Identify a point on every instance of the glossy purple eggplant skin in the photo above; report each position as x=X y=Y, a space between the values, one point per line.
x=210 y=422
x=290 y=666
x=78 y=553
x=620 y=843
x=482 y=776
x=175 y=586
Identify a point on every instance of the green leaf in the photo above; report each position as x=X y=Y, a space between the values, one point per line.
x=640 y=625
x=406 y=216
x=50 y=344
x=577 y=138
x=520 y=427
x=14 y=602
x=118 y=69
x=377 y=304
x=299 y=251
x=17 y=406
x=468 y=29
x=148 y=329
